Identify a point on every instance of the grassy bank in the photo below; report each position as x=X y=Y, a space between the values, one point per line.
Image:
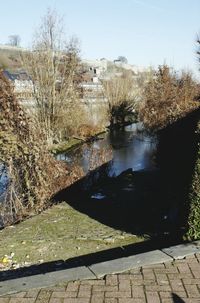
x=59 y=233
x=72 y=142
x=64 y=146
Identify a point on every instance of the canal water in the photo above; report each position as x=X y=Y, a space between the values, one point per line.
x=128 y=149
x=125 y=191
x=3 y=182
x=123 y=185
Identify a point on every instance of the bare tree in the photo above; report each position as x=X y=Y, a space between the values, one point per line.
x=14 y=40
x=120 y=95
x=122 y=59
x=54 y=68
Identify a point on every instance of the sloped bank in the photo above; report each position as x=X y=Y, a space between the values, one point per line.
x=178 y=158
x=59 y=233
x=194 y=197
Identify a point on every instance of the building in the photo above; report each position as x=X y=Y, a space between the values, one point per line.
x=22 y=84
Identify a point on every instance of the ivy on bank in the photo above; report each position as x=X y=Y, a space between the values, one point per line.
x=193 y=232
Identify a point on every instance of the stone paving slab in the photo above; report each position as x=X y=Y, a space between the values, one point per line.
x=124 y=264
x=45 y=280
x=183 y=250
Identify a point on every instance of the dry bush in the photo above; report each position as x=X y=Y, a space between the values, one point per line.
x=167 y=97
x=4 y=61
x=69 y=122
x=86 y=131
x=10 y=60
x=120 y=96
x=33 y=174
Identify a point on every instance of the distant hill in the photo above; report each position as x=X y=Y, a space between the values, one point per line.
x=10 y=57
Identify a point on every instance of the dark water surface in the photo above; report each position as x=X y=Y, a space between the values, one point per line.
x=125 y=193
x=130 y=149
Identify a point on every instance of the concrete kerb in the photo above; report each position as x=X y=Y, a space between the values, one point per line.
x=124 y=264
x=183 y=250
x=99 y=270
x=45 y=280
x=149 y=258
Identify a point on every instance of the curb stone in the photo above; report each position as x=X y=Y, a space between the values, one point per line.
x=124 y=264
x=183 y=250
x=45 y=280
x=98 y=270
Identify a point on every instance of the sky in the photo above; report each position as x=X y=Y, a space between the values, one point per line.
x=146 y=32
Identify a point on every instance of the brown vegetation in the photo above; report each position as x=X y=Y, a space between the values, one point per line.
x=167 y=97
x=54 y=67
x=10 y=59
x=34 y=175
x=86 y=131
x=120 y=96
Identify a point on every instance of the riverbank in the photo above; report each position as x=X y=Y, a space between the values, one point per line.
x=72 y=142
x=59 y=233
x=65 y=145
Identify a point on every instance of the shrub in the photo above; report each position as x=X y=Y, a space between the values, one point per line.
x=167 y=98
x=33 y=174
x=193 y=232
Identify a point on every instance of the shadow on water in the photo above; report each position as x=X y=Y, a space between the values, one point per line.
x=122 y=193
x=131 y=202
x=133 y=193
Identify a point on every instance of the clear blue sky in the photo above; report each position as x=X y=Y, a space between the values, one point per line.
x=147 y=32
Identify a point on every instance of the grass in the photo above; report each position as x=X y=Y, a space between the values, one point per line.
x=59 y=233
x=64 y=146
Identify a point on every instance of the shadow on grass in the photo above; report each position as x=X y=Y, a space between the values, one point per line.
x=84 y=260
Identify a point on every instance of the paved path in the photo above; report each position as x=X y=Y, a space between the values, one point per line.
x=172 y=281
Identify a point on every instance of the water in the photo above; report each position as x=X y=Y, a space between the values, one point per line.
x=3 y=182
x=130 y=149
x=125 y=193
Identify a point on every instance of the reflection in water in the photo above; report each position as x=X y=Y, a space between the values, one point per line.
x=130 y=150
x=3 y=182
x=127 y=192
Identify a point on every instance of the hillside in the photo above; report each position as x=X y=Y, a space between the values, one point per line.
x=10 y=57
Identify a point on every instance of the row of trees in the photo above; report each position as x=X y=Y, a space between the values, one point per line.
x=14 y=40
x=55 y=69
